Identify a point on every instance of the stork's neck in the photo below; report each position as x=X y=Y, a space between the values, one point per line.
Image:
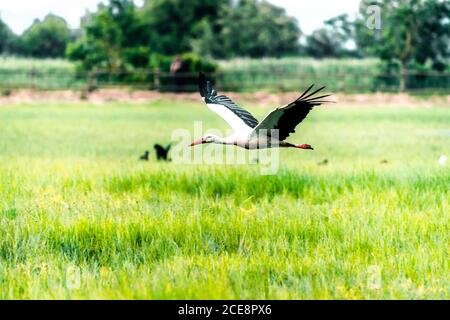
x=220 y=140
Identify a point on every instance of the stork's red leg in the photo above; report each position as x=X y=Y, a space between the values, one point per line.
x=299 y=146
x=305 y=146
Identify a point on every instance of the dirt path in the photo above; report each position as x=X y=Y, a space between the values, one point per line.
x=259 y=98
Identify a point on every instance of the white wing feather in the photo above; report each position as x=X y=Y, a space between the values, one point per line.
x=237 y=124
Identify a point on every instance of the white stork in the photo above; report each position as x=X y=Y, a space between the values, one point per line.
x=248 y=133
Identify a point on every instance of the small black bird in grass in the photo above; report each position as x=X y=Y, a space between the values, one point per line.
x=161 y=152
x=144 y=157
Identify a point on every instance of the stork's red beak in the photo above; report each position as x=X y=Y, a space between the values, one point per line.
x=196 y=142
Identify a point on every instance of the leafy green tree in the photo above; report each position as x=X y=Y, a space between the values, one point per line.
x=171 y=25
x=47 y=38
x=412 y=32
x=8 y=40
x=220 y=28
x=120 y=35
x=206 y=42
x=335 y=39
x=100 y=46
x=322 y=43
x=111 y=38
x=252 y=28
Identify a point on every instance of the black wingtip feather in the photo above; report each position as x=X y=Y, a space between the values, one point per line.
x=321 y=102
x=316 y=98
x=307 y=90
x=313 y=93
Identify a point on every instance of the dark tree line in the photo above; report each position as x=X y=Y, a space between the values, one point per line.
x=120 y=35
x=43 y=39
x=414 y=35
x=120 y=32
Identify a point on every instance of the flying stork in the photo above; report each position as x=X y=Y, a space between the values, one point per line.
x=248 y=132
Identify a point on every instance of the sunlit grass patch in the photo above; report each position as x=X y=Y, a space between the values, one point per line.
x=81 y=217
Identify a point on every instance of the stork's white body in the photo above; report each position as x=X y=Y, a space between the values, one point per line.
x=251 y=142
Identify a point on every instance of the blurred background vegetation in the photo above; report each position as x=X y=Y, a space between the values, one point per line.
x=245 y=44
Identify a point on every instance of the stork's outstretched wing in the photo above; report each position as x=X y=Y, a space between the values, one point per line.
x=286 y=118
x=240 y=120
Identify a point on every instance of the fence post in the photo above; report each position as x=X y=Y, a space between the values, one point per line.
x=32 y=76
x=89 y=82
x=156 y=79
x=403 y=74
x=341 y=85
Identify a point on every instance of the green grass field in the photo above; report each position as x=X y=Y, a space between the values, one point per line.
x=81 y=217
x=38 y=73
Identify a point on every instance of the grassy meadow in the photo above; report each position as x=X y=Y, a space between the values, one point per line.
x=81 y=217
x=49 y=74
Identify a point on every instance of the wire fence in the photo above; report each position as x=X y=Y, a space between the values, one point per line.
x=354 y=82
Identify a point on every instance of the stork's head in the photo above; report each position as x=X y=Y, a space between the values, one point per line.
x=206 y=139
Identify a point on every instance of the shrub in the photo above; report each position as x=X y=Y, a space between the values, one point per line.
x=187 y=80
